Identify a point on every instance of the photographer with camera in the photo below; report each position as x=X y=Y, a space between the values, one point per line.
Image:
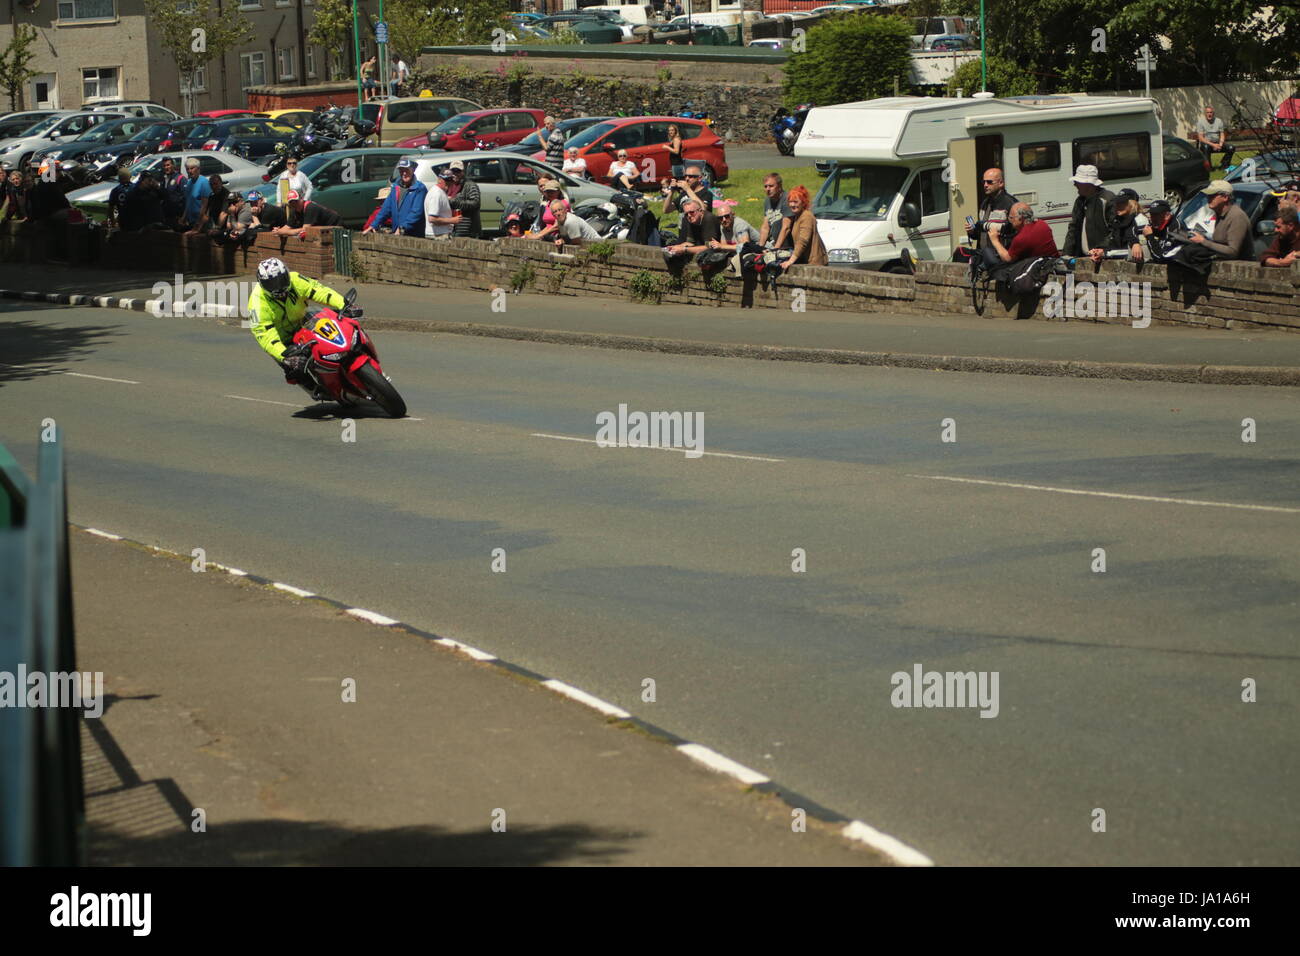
x=994 y=208
x=690 y=188
x=1033 y=237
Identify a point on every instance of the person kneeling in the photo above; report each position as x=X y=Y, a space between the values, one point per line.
x=1031 y=254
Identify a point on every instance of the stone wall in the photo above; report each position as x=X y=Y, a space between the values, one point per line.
x=1238 y=295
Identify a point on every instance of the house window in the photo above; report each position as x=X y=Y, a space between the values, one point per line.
x=200 y=81
x=99 y=83
x=285 y=57
x=250 y=4
x=311 y=61
x=252 y=69
x=87 y=9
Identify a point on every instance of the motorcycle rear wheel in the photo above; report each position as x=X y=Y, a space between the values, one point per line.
x=381 y=391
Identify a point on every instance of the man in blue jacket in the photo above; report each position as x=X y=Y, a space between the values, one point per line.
x=403 y=210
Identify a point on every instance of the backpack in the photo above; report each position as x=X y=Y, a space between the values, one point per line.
x=1029 y=276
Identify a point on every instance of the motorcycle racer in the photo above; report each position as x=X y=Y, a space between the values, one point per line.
x=276 y=309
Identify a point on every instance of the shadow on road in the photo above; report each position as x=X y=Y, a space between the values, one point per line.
x=28 y=348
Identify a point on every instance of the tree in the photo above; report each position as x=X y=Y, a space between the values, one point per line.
x=333 y=31
x=1005 y=78
x=14 y=70
x=415 y=24
x=848 y=58
x=195 y=34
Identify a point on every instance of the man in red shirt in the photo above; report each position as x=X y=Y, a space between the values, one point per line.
x=1033 y=237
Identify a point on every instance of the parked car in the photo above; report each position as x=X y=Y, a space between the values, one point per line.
x=104 y=134
x=1286 y=120
x=953 y=41
x=155 y=138
x=1258 y=200
x=16 y=153
x=140 y=109
x=497 y=127
x=346 y=180
x=252 y=137
x=13 y=124
x=646 y=140
x=587 y=29
x=295 y=117
x=415 y=115
x=568 y=128
x=1186 y=170
x=771 y=43
x=926 y=29
x=503 y=178
x=1279 y=166
x=229 y=114
x=235 y=171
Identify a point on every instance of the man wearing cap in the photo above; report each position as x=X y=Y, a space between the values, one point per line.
x=465 y=199
x=1231 y=237
x=302 y=213
x=293 y=180
x=437 y=208
x=403 y=210
x=1124 y=232
x=265 y=215
x=1090 y=220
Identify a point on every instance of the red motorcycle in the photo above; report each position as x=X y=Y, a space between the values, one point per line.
x=344 y=361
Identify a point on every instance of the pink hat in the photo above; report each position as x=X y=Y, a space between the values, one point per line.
x=293 y=196
x=724 y=207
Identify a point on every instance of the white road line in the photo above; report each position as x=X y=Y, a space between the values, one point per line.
x=104 y=534
x=582 y=697
x=101 y=378
x=896 y=850
x=229 y=570
x=296 y=591
x=473 y=652
x=715 y=761
x=265 y=401
x=1113 y=494
x=714 y=454
x=372 y=617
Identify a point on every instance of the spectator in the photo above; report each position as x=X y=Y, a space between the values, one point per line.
x=171 y=177
x=622 y=172
x=213 y=207
x=698 y=229
x=293 y=180
x=514 y=226
x=553 y=139
x=1160 y=217
x=196 y=190
x=117 y=196
x=545 y=224
x=379 y=204
x=808 y=246
x=1033 y=237
x=393 y=82
x=775 y=231
x=368 y=81
x=574 y=165
x=266 y=217
x=227 y=227
x=1285 y=249
x=16 y=190
x=676 y=159
x=47 y=198
x=1231 y=238
x=172 y=183
x=142 y=206
x=437 y=208
x=403 y=210
x=570 y=227
x=301 y=213
x=689 y=187
x=1211 y=138
x=1124 y=230
x=1089 y=228
x=994 y=207
x=466 y=201
x=403 y=74
x=735 y=235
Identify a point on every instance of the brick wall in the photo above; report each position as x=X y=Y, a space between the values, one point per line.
x=1239 y=295
x=198 y=255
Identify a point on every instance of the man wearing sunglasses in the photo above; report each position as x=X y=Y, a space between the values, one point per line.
x=994 y=207
x=690 y=188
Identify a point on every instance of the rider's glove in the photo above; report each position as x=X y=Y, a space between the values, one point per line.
x=295 y=358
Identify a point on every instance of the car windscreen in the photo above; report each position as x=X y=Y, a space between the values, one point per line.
x=859 y=192
x=591 y=134
x=41 y=126
x=101 y=133
x=309 y=165
x=1196 y=211
x=454 y=125
x=207 y=129
x=156 y=131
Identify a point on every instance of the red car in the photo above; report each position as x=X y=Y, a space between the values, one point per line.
x=1286 y=121
x=646 y=140
x=464 y=131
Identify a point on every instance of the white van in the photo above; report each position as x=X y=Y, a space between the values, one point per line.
x=907 y=169
x=637 y=14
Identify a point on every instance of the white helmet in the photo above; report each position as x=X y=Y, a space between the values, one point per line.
x=273 y=274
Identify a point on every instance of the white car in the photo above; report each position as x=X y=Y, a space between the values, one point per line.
x=238 y=174
x=59 y=128
x=144 y=109
x=771 y=43
x=836 y=8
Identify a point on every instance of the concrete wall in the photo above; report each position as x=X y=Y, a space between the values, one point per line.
x=1181 y=107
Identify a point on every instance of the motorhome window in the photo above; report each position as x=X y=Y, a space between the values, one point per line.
x=1036 y=156
x=934 y=192
x=859 y=192
x=1126 y=156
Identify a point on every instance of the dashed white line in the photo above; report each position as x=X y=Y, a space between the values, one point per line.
x=896 y=850
x=582 y=697
x=299 y=592
x=101 y=378
x=715 y=761
x=713 y=454
x=56 y=371
x=473 y=652
x=229 y=570
x=104 y=534
x=264 y=401
x=372 y=617
x=1113 y=494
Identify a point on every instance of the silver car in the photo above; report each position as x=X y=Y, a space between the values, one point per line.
x=60 y=128
x=147 y=110
x=504 y=178
x=237 y=173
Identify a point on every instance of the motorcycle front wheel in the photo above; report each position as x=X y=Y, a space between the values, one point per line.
x=784 y=148
x=381 y=391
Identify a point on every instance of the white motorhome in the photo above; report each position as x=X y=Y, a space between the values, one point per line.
x=907 y=170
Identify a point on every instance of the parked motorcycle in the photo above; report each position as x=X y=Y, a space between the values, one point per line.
x=625 y=215
x=327 y=130
x=690 y=112
x=787 y=125
x=344 y=362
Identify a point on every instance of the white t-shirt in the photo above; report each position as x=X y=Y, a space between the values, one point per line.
x=437 y=204
x=298 y=181
x=575 y=228
x=576 y=168
x=627 y=167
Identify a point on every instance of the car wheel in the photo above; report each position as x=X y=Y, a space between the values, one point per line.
x=1173 y=195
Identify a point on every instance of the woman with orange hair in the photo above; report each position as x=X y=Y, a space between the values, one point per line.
x=803 y=229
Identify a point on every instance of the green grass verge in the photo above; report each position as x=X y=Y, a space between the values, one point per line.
x=746 y=186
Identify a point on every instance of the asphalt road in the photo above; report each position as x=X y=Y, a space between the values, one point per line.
x=1118 y=691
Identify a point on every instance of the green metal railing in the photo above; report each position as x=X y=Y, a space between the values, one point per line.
x=343 y=252
x=42 y=808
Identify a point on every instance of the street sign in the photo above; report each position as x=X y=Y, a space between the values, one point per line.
x=1146 y=63
x=381 y=32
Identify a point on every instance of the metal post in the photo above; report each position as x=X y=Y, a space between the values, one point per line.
x=356 y=52
x=383 y=57
x=984 y=53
